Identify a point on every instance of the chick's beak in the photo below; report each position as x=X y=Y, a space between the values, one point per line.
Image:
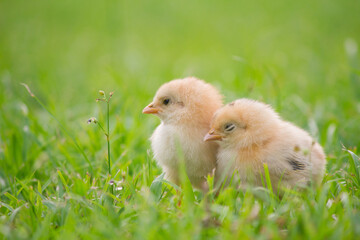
x=150 y=109
x=212 y=136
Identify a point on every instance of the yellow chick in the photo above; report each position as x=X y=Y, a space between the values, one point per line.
x=185 y=108
x=251 y=134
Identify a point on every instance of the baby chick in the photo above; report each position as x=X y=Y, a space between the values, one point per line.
x=185 y=108
x=251 y=133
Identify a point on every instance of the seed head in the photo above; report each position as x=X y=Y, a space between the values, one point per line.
x=92 y=119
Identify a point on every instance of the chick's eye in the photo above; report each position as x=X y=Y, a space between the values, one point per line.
x=166 y=101
x=229 y=127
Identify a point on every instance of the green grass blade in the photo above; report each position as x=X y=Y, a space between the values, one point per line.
x=63 y=181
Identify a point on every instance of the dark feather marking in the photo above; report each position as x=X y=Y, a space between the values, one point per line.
x=295 y=164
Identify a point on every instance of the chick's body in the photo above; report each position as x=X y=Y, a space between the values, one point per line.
x=252 y=134
x=185 y=107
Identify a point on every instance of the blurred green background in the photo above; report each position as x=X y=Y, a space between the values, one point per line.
x=300 y=56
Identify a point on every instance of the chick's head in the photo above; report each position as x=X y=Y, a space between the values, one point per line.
x=184 y=101
x=243 y=123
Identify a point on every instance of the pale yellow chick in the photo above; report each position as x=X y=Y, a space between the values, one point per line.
x=185 y=107
x=251 y=133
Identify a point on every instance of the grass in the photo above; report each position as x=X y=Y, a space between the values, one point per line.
x=301 y=57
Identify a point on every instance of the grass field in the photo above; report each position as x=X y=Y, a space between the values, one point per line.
x=300 y=56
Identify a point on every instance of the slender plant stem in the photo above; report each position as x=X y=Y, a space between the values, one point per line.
x=102 y=129
x=108 y=141
x=108 y=135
